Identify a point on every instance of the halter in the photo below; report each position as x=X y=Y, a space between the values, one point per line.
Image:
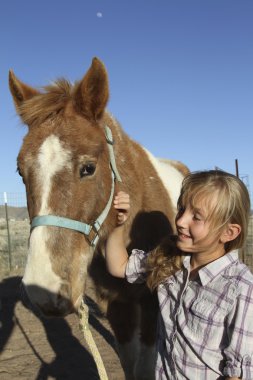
x=89 y=230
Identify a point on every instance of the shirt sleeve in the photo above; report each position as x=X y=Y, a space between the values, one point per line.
x=136 y=267
x=239 y=353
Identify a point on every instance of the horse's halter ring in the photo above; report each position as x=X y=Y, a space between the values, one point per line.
x=91 y=231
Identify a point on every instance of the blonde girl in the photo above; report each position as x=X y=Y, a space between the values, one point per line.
x=205 y=325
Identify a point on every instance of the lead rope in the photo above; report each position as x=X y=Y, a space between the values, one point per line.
x=83 y=314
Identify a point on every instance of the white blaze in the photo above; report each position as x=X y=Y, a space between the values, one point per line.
x=52 y=158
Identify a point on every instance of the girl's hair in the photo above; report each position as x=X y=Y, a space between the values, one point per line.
x=232 y=205
x=163 y=261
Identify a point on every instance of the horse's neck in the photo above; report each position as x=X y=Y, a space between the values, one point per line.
x=144 y=173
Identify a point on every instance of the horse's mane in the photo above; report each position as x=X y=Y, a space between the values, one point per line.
x=51 y=100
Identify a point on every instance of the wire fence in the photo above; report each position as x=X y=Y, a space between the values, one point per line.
x=13 y=199
x=15 y=229
x=247 y=252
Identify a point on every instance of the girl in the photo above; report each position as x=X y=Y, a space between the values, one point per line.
x=205 y=326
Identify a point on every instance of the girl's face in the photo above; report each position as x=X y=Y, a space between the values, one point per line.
x=193 y=228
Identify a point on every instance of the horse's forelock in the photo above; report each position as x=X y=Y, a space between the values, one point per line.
x=52 y=100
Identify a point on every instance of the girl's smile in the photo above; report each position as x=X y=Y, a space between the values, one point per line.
x=182 y=236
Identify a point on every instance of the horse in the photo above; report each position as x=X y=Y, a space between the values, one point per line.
x=74 y=158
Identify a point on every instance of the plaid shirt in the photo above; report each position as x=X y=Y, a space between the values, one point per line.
x=205 y=326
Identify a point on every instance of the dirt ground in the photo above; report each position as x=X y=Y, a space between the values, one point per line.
x=35 y=348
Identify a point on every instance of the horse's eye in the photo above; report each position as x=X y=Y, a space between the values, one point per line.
x=87 y=169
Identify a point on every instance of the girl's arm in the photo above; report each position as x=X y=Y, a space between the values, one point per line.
x=116 y=255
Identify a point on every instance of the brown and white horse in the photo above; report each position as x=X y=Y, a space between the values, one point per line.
x=66 y=163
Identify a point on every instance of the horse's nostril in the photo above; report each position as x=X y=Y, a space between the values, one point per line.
x=65 y=306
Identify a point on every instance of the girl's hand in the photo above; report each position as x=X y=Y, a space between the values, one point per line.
x=122 y=204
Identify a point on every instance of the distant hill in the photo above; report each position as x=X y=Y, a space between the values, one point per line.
x=17 y=213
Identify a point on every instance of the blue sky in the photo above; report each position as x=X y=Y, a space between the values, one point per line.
x=181 y=72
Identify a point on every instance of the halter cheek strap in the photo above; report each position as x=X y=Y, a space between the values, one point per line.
x=110 y=143
x=89 y=230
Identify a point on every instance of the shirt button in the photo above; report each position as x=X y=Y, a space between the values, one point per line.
x=247 y=359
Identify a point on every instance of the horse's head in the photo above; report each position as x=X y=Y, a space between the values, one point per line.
x=65 y=166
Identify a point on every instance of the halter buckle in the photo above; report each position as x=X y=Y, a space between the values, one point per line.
x=93 y=234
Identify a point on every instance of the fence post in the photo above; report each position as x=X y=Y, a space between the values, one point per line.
x=8 y=229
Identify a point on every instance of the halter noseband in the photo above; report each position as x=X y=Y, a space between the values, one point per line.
x=89 y=230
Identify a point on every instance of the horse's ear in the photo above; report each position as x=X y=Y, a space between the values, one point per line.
x=93 y=91
x=20 y=91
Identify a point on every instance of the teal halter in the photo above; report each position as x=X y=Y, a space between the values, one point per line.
x=89 y=230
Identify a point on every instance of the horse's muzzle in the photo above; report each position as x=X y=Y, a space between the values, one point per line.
x=46 y=303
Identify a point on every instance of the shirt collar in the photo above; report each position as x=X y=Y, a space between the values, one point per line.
x=208 y=272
